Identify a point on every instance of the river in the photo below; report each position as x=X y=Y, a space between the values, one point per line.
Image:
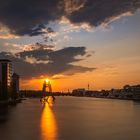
x=72 y=118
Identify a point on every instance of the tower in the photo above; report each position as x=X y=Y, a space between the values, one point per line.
x=88 y=86
x=15 y=86
x=5 y=78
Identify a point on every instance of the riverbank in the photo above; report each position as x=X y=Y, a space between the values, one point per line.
x=10 y=102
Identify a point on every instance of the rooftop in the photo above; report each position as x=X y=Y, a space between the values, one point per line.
x=5 y=60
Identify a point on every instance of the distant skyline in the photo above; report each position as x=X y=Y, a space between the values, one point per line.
x=73 y=43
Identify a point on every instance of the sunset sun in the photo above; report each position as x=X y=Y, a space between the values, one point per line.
x=47 y=80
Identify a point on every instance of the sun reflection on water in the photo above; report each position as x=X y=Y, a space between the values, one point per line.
x=48 y=122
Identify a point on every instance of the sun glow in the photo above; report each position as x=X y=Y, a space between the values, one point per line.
x=47 y=80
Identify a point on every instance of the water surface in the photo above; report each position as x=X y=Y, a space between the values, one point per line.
x=72 y=118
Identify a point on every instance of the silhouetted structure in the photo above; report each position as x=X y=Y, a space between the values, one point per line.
x=133 y=91
x=5 y=78
x=79 y=92
x=47 y=85
x=15 y=86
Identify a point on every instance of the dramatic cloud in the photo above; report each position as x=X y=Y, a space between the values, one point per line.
x=97 y=12
x=31 y=17
x=38 y=62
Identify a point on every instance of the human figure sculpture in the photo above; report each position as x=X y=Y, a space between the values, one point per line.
x=47 y=85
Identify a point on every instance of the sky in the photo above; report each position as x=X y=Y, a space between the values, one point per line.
x=72 y=42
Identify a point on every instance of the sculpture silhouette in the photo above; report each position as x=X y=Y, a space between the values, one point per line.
x=46 y=97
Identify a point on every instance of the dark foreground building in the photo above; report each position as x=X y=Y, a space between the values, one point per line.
x=15 y=86
x=5 y=78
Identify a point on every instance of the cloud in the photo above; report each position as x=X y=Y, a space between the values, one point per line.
x=29 y=17
x=40 y=30
x=40 y=61
x=5 y=34
x=32 y=17
x=14 y=48
x=95 y=12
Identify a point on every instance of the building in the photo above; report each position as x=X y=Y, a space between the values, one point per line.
x=5 y=78
x=115 y=93
x=134 y=91
x=79 y=92
x=15 y=86
x=134 y=88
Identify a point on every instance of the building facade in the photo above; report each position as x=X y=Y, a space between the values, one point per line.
x=15 y=86
x=79 y=92
x=5 y=78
